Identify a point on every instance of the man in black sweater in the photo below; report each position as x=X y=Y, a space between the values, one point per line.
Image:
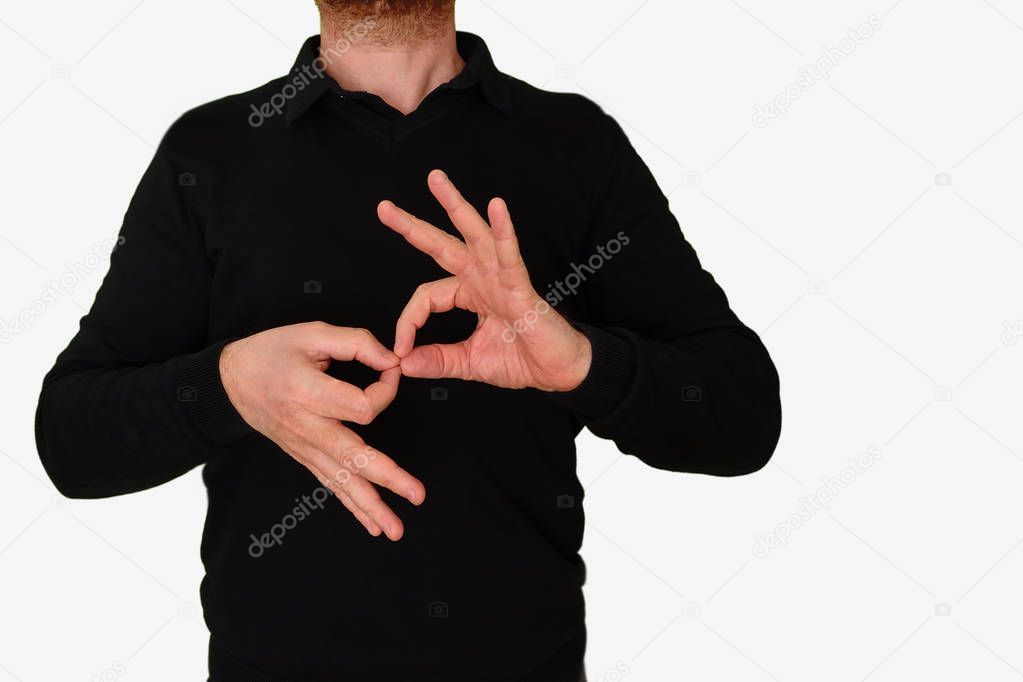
x=286 y=259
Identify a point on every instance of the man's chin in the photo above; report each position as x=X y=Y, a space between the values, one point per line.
x=394 y=21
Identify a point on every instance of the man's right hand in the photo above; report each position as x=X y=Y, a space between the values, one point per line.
x=276 y=380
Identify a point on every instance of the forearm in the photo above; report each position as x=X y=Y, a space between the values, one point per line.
x=676 y=378
x=707 y=403
x=109 y=430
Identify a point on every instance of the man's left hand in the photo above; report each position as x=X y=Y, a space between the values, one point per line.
x=520 y=340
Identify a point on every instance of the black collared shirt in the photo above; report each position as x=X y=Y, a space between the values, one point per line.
x=259 y=210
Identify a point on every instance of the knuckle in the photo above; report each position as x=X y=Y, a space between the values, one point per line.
x=363 y=411
x=329 y=485
x=332 y=446
x=342 y=480
x=356 y=458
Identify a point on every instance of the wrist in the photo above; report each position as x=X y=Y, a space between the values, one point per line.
x=227 y=375
x=202 y=392
x=578 y=367
x=612 y=371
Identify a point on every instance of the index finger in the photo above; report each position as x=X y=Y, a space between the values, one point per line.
x=449 y=252
x=464 y=217
x=382 y=392
x=330 y=397
x=347 y=343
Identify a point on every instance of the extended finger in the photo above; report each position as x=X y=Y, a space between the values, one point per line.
x=432 y=297
x=347 y=449
x=512 y=271
x=464 y=217
x=385 y=472
x=304 y=459
x=362 y=516
x=341 y=472
x=449 y=252
x=342 y=478
x=350 y=505
x=365 y=495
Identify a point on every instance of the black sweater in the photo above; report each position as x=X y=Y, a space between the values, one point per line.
x=258 y=211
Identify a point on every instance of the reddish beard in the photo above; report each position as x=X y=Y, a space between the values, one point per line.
x=391 y=21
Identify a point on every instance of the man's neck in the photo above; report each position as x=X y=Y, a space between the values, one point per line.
x=400 y=73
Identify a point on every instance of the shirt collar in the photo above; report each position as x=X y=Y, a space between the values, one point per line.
x=310 y=81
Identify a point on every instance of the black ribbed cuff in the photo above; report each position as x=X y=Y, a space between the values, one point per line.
x=612 y=369
x=201 y=394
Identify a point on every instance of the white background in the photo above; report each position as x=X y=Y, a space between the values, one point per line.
x=872 y=235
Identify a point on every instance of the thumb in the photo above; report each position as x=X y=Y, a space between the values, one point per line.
x=437 y=361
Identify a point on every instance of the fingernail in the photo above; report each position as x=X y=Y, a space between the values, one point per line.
x=439 y=176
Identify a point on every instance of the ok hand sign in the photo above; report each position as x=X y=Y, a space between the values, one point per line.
x=488 y=278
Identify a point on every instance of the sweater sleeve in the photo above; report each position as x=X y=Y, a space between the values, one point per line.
x=136 y=398
x=676 y=379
